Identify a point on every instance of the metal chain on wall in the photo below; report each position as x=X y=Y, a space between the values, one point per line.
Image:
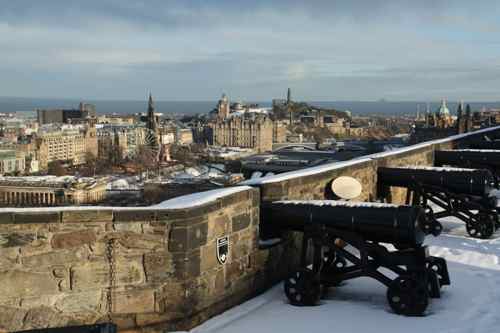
x=110 y=247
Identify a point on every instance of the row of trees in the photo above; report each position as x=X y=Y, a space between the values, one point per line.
x=144 y=160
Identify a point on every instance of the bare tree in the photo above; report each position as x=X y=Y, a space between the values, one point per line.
x=184 y=155
x=146 y=158
x=91 y=164
x=56 y=168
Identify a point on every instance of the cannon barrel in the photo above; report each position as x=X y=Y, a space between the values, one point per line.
x=468 y=157
x=495 y=144
x=478 y=182
x=377 y=222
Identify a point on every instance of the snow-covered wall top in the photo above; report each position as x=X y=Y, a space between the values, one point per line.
x=183 y=202
x=486 y=151
x=304 y=172
x=199 y=199
x=337 y=165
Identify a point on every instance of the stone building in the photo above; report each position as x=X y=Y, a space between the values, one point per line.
x=11 y=162
x=441 y=118
x=441 y=124
x=279 y=131
x=184 y=136
x=50 y=191
x=66 y=143
x=337 y=126
x=223 y=107
x=246 y=132
x=115 y=119
x=112 y=144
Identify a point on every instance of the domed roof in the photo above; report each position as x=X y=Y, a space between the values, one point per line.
x=443 y=109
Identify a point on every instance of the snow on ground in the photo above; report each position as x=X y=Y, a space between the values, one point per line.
x=470 y=304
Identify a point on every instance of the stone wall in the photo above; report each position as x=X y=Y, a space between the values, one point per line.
x=314 y=183
x=149 y=269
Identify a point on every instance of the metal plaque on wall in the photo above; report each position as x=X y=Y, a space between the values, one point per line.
x=222 y=249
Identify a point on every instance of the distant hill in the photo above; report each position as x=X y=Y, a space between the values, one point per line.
x=303 y=108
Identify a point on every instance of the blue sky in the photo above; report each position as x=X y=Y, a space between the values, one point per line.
x=252 y=50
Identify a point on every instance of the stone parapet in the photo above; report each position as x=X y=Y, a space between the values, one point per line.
x=145 y=269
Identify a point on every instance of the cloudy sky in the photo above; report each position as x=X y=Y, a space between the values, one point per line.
x=195 y=50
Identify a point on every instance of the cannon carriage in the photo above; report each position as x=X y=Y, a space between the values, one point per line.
x=367 y=228
x=459 y=192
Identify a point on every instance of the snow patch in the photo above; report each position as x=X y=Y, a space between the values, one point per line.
x=474 y=150
x=429 y=168
x=337 y=203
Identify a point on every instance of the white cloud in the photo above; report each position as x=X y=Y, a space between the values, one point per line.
x=329 y=49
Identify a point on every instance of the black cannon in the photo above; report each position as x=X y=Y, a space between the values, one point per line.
x=463 y=193
x=327 y=225
x=96 y=328
x=485 y=144
x=470 y=158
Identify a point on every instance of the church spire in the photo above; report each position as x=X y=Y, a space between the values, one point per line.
x=151 y=118
x=151 y=106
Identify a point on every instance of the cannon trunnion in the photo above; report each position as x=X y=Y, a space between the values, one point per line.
x=462 y=193
x=366 y=228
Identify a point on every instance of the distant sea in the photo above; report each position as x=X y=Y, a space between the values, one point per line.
x=26 y=106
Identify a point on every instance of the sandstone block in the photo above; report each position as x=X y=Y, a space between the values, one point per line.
x=234 y=270
x=158 y=266
x=89 y=301
x=218 y=226
x=156 y=228
x=16 y=283
x=134 y=215
x=220 y=282
x=9 y=256
x=209 y=259
x=11 y=319
x=73 y=239
x=16 y=239
x=38 y=217
x=187 y=265
x=96 y=274
x=43 y=317
x=188 y=238
x=134 y=301
x=6 y=218
x=240 y=222
x=78 y=216
x=53 y=258
x=169 y=297
x=133 y=240
x=146 y=319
